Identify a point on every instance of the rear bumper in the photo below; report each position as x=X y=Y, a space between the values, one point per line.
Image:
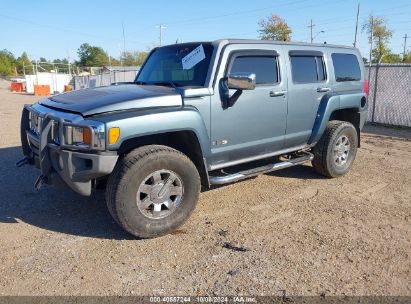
x=61 y=166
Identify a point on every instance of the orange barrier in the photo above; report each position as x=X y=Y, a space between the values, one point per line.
x=16 y=87
x=41 y=90
x=68 y=88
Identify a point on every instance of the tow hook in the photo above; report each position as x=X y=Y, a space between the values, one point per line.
x=40 y=181
x=22 y=162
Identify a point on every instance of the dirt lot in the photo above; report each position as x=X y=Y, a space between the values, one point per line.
x=300 y=232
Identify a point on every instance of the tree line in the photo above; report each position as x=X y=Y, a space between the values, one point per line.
x=89 y=56
x=276 y=28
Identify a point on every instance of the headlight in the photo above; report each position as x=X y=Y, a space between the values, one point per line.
x=90 y=136
x=77 y=136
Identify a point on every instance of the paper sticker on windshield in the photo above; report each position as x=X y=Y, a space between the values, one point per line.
x=194 y=57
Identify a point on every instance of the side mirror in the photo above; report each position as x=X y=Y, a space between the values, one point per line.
x=241 y=81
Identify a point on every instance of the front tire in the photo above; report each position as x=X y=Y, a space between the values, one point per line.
x=152 y=191
x=335 y=152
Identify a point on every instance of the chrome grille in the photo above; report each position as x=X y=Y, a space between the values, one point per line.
x=55 y=132
x=57 y=125
x=36 y=122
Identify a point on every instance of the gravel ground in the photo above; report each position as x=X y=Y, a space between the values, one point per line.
x=4 y=84
x=291 y=230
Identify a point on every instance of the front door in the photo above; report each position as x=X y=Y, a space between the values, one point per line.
x=255 y=122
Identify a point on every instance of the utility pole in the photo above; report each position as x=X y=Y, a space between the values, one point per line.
x=161 y=27
x=124 y=40
x=37 y=72
x=371 y=39
x=356 y=25
x=311 y=30
x=68 y=61
x=405 y=46
x=124 y=50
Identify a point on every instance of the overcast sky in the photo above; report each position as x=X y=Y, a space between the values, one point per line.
x=55 y=29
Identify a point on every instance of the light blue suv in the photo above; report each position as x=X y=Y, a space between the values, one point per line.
x=193 y=110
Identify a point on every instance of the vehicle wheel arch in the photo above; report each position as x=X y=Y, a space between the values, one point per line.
x=349 y=114
x=333 y=108
x=186 y=141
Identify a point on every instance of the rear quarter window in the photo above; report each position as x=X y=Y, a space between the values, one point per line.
x=346 y=67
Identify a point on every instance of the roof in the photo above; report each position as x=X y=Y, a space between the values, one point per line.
x=257 y=41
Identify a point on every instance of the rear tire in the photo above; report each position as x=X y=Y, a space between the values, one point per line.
x=335 y=152
x=152 y=191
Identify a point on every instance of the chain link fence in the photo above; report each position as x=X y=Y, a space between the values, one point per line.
x=389 y=99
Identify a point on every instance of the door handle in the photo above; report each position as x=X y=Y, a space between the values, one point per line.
x=323 y=90
x=277 y=93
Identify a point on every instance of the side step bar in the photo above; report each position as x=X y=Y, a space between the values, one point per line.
x=220 y=180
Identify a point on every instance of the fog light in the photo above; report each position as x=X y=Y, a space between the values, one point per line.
x=113 y=135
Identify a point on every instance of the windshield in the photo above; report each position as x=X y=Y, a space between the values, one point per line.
x=177 y=65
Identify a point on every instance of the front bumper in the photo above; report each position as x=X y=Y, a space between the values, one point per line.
x=61 y=166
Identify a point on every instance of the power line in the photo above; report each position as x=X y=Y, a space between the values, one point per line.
x=403 y=21
x=350 y=17
x=292 y=5
x=245 y=12
x=395 y=7
x=242 y=12
x=56 y=28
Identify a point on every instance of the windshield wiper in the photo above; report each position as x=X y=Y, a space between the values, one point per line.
x=140 y=82
x=166 y=83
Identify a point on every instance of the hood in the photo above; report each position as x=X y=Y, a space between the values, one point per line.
x=114 y=98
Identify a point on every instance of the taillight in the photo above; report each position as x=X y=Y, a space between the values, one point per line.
x=366 y=87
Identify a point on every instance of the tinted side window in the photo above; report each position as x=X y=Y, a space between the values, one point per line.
x=264 y=67
x=306 y=69
x=346 y=67
x=321 y=69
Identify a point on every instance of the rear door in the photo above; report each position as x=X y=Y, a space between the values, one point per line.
x=308 y=82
